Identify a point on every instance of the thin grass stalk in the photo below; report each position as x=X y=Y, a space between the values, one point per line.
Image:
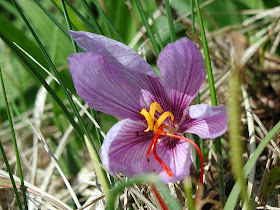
x=54 y=70
x=52 y=18
x=82 y=18
x=108 y=22
x=33 y=71
x=170 y=21
x=188 y=193
x=218 y=146
x=234 y=136
x=93 y=113
x=103 y=18
x=99 y=171
x=2 y=149
x=22 y=186
x=148 y=27
x=61 y=12
x=92 y=18
x=233 y=197
x=252 y=143
x=154 y=25
x=66 y=16
x=192 y=16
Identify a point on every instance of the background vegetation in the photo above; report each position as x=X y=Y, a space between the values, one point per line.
x=49 y=138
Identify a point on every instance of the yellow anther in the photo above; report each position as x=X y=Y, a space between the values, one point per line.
x=154 y=123
x=162 y=118
x=155 y=107
x=149 y=118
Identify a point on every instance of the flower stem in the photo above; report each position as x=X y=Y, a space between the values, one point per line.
x=213 y=101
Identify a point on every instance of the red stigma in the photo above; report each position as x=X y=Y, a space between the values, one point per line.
x=153 y=147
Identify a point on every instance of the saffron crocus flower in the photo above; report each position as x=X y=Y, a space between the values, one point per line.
x=114 y=79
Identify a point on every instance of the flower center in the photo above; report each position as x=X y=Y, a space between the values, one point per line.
x=152 y=121
x=157 y=126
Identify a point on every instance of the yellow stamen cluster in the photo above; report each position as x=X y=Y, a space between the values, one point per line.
x=152 y=121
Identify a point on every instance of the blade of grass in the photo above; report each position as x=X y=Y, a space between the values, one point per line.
x=170 y=21
x=61 y=12
x=54 y=70
x=234 y=136
x=188 y=193
x=144 y=179
x=92 y=18
x=69 y=25
x=52 y=18
x=82 y=18
x=107 y=21
x=148 y=28
x=154 y=25
x=103 y=18
x=15 y=148
x=99 y=171
x=233 y=197
x=3 y=152
x=54 y=160
x=34 y=72
x=218 y=146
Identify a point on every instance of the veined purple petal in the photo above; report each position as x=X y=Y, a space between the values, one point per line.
x=125 y=147
x=206 y=121
x=183 y=73
x=117 y=54
x=129 y=81
x=177 y=159
x=105 y=89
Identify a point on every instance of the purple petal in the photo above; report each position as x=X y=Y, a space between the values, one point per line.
x=176 y=157
x=207 y=121
x=117 y=54
x=183 y=73
x=113 y=78
x=106 y=89
x=125 y=147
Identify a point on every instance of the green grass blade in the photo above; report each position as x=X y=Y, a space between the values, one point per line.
x=188 y=193
x=82 y=18
x=15 y=146
x=148 y=28
x=170 y=21
x=33 y=71
x=55 y=71
x=92 y=18
x=154 y=24
x=103 y=18
x=107 y=22
x=61 y=12
x=144 y=179
x=213 y=100
x=52 y=18
x=236 y=147
x=2 y=149
x=66 y=16
x=99 y=171
x=192 y=16
x=233 y=197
